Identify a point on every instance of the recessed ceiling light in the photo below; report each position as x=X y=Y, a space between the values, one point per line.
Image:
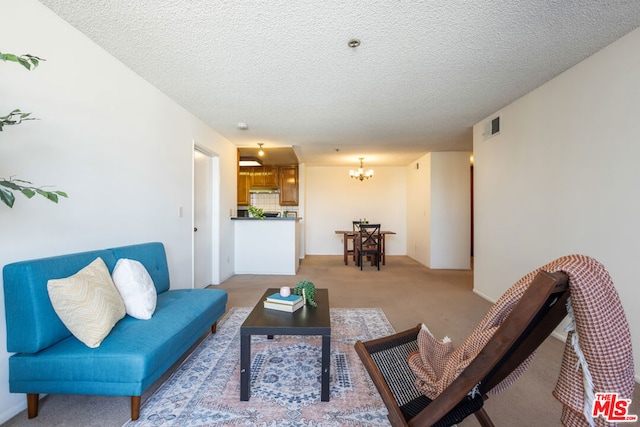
x=250 y=161
x=242 y=126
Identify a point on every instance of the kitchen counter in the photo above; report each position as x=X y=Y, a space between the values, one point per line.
x=240 y=218
x=266 y=246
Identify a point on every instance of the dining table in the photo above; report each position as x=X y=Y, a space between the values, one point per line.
x=350 y=235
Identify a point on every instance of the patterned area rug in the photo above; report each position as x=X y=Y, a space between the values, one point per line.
x=285 y=379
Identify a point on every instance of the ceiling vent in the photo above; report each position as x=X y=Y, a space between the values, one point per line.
x=491 y=127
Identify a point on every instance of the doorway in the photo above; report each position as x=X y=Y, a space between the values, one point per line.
x=206 y=218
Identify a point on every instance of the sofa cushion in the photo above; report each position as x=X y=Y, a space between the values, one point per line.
x=152 y=255
x=87 y=302
x=135 y=287
x=32 y=323
x=134 y=355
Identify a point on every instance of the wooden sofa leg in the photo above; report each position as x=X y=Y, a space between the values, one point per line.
x=135 y=407
x=32 y=405
x=214 y=328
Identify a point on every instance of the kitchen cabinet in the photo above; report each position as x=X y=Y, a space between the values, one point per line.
x=283 y=177
x=265 y=177
x=244 y=182
x=258 y=177
x=288 y=185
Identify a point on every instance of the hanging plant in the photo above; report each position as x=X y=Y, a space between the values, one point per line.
x=15 y=117
x=29 y=62
x=28 y=190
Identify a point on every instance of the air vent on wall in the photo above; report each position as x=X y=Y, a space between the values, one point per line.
x=491 y=127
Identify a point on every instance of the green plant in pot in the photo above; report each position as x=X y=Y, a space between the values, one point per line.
x=307 y=289
x=256 y=212
x=15 y=117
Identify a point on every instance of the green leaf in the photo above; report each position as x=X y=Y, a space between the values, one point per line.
x=9 y=57
x=15 y=118
x=26 y=64
x=29 y=193
x=10 y=184
x=62 y=194
x=22 y=181
x=34 y=60
x=7 y=197
x=28 y=61
x=48 y=195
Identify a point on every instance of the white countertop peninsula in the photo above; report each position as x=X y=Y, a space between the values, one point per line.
x=267 y=246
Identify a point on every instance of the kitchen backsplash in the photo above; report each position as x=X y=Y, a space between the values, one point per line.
x=270 y=202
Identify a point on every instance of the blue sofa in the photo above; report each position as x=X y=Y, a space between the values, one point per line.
x=136 y=352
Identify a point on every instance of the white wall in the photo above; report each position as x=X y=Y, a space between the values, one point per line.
x=302 y=201
x=120 y=148
x=439 y=210
x=419 y=210
x=333 y=200
x=562 y=177
x=450 y=210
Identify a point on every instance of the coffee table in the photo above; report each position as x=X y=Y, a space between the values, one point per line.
x=305 y=321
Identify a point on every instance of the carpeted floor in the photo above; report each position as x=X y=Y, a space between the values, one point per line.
x=285 y=379
x=408 y=293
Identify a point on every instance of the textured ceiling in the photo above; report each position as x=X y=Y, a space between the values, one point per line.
x=424 y=74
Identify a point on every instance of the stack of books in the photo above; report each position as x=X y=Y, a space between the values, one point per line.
x=280 y=303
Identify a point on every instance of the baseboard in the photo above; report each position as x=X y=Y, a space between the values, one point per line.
x=13 y=411
x=483 y=296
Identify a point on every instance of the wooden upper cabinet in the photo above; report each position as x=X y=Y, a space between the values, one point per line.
x=283 y=177
x=244 y=182
x=265 y=177
x=288 y=185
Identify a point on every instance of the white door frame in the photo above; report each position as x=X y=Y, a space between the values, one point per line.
x=215 y=214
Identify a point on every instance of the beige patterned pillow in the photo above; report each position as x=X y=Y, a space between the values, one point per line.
x=88 y=303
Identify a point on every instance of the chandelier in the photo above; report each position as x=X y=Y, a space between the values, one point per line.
x=360 y=173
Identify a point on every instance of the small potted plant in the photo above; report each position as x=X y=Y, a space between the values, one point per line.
x=307 y=290
x=255 y=212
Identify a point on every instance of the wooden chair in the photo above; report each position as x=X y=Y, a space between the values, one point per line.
x=541 y=308
x=352 y=252
x=368 y=243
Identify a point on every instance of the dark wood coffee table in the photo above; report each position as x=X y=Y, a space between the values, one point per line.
x=305 y=321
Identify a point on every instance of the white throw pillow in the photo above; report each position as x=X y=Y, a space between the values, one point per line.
x=136 y=288
x=88 y=303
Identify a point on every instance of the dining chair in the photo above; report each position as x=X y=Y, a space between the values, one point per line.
x=352 y=237
x=368 y=243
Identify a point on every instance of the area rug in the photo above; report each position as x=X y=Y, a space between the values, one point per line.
x=285 y=379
